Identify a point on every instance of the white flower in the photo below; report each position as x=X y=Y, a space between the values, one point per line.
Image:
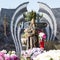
x=4 y=51
x=13 y=52
x=41 y=34
x=52 y=54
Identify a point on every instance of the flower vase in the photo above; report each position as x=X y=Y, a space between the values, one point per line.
x=41 y=43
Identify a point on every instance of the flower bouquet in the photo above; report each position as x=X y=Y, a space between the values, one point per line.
x=42 y=37
x=31 y=53
x=49 y=55
x=4 y=55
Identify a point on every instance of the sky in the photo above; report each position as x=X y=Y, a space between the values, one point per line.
x=33 y=5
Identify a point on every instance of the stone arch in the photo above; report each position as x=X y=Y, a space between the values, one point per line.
x=48 y=11
x=14 y=26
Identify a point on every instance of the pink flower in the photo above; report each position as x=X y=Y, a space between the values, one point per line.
x=1 y=58
x=1 y=54
x=44 y=36
x=14 y=57
x=7 y=57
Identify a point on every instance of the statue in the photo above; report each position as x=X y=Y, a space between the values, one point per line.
x=31 y=35
x=31 y=32
x=5 y=23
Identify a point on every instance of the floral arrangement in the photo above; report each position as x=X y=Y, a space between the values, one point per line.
x=4 y=55
x=42 y=35
x=49 y=55
x=36 y=52
x=32 y=53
